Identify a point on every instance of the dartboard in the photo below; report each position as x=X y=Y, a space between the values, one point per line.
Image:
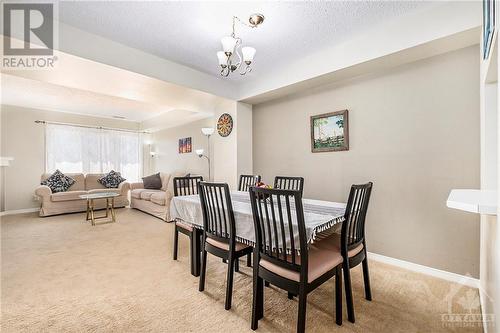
x=225 y=124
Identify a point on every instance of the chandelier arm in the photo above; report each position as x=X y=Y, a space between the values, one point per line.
x=248 y=69
x=238 y=45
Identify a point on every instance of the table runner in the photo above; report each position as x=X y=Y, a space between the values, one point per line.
x=318 y=215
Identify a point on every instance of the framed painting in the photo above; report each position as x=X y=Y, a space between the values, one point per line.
x=185 y=145
x=330 y=132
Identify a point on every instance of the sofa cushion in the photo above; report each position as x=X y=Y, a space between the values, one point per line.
x=58 y=182
x=146 y=194
x=159 y=198
x=78 y=185
x=111 y=179
x=152 y=182
x=67 y=196
x=137 y=192
x=104 y=190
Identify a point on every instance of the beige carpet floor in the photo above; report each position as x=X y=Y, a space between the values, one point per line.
x=59 y=274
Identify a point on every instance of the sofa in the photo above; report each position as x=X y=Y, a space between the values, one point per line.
x=70 y=202
x=153 y=202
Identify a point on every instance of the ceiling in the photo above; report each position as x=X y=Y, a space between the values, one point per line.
x=81 y=86
x=189 y=32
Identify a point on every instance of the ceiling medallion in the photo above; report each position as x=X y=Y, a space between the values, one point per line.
x=225 y=124
x=231 y=46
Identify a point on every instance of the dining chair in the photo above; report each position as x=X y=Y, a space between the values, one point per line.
x=219 y=233
x=246 y=181
x=283 y=256
x=185 y=186
x=351 y=241
x=289 y=183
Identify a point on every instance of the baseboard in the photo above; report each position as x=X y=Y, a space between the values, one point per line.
x=19 y=211
x=452 y=277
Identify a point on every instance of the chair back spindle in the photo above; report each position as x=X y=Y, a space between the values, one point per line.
x=289 y=183
x=279 y=227
x=186 y=185
x=217 y=209
x=353 y=227
x=246 y=181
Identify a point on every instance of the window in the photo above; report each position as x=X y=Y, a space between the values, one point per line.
x=92 y=150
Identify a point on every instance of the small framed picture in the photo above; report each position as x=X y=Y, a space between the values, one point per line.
x=185 y=145
x=330 y=132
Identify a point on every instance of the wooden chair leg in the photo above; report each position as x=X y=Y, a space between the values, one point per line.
x=266 y=283
x=301 y=322
x=249 y=260
x=366 y=278
x=237 y=265
x=176 y=242
x=229 y=283
x=290 y=295
x=338 y=296
x=348 y=292
x=203 y=270
x=258 y=300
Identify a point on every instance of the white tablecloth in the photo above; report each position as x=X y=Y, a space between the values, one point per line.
x=318 y=215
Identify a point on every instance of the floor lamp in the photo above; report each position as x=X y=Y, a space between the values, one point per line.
x=208 y=131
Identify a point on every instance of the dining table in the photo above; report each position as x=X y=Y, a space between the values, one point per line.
x=319 y=216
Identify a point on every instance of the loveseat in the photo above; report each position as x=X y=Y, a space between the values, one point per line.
x=154 y=202
x=70 y=202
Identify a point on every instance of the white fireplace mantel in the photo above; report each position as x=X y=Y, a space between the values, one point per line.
x=474 y=201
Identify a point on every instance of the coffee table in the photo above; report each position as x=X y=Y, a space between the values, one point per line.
x=110 y=205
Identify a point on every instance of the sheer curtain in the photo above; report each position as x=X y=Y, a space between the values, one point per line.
x=91 y=150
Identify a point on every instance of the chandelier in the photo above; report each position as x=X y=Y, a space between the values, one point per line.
x=232 y=49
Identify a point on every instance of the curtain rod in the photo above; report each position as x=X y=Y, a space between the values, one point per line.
x=88 y=126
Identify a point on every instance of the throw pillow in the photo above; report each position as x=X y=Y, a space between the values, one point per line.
x=58 y=182
x=112 y=179
x=152 y=182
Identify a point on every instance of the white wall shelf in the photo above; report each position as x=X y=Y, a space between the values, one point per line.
x=474 y=201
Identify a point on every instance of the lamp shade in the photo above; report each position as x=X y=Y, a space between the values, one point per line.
x=228 y=44
x=222 y=58
x=208 y=130
x=199 y=152
x=248 y=53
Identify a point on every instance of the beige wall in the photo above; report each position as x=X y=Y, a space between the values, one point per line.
x=23 y=139
x=414 y=132
x=166 y=143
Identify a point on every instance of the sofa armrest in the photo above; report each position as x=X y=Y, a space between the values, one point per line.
x=124 y=187
x=168 y=198
x=134 y=186
x=43 y=191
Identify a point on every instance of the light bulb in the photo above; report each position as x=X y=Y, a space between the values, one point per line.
x=248 y=54
x=228 y=44
x=222 y=58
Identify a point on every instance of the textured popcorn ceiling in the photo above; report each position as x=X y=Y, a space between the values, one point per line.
x=189 y=32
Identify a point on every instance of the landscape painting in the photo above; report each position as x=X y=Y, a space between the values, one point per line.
x=185 y=145
x=329 y=132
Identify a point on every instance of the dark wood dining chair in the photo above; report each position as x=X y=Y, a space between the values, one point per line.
x=289 y=183
x=279 y=222
x=185 y=186
x=219 y=233
x=352 y=241
x=246 y=181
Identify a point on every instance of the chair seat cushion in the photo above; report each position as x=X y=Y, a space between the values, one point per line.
x=67 y=196
x=323 y=257
x=184 y=225
x=225 y=246
x=159 y=198
x=333 y=241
